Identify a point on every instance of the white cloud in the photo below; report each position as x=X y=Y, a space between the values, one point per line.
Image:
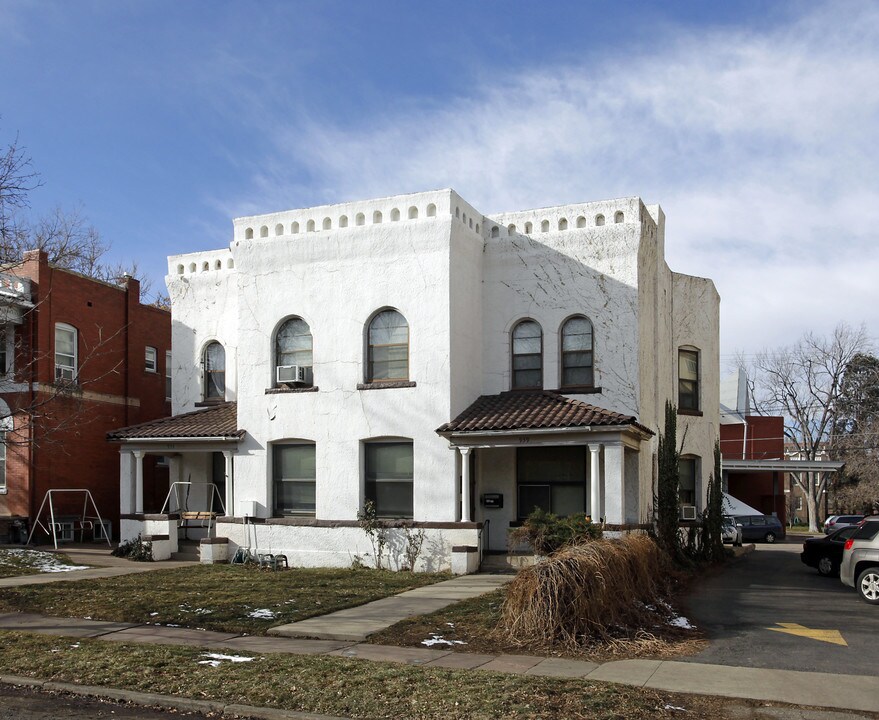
x=760 y=145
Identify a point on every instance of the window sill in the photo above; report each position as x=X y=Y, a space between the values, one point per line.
x=692 y=413
x=579 y=390
x=210 y=403
x=386 y=385
x=284 y=390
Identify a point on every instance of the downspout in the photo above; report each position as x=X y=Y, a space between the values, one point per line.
x=126 y=364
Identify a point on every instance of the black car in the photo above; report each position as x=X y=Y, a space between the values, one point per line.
x=825 y=554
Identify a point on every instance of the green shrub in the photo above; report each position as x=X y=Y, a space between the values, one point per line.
x=547 y=533
x=138 y=550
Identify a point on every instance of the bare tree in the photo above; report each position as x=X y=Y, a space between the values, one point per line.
x=17 y=180
x=803 y=382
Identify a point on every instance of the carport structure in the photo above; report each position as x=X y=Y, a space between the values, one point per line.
x=746 y=475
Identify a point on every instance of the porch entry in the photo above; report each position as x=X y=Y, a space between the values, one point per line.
x=553 y=479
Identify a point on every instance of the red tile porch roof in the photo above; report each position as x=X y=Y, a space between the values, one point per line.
x=533 y=410
x=217 y=421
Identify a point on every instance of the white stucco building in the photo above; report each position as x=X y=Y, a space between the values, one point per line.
x=457 y=368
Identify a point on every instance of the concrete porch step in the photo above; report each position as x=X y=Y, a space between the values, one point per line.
x=506 y=562
x=187 y=550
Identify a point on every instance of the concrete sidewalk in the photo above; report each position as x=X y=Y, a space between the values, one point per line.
x=840 y=692
x=357 y=623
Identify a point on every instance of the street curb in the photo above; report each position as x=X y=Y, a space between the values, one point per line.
x=169 y=702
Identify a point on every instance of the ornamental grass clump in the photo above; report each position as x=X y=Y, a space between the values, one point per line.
x=596 y=591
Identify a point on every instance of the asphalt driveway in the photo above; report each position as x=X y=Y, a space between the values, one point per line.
x=826 y=626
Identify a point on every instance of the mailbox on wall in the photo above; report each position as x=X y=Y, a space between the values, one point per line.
x=493 y=500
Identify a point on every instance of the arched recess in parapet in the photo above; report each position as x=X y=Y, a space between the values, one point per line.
x=471 y=223
x=264 y=231
x=218 y=265
x=395 y=215
x=230 y=263
x=343 y=221
x=431 y=210
x=581 y=222
x=328 y=224
x=248 y=234
x=180 y=269
x=563 y=224
x=599 y=219
x=377 y=217
x=309 y=226
x=294 y=228
x=413 y=213
x=360 y=219
x=464 y=218
x=495 y=231
x=619 y=217
x=457 y=212
x=511 y=228
x=544 y=226
x=192 y=267
x=279 y=229
x=528 y=228
x=477 y=228
x=205 y=266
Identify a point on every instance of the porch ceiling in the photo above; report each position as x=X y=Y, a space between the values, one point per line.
x=216 y=423
x=541 y=410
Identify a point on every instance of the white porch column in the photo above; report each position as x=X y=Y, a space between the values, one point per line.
x=230 y=495
x=465 y=483
x=614 y=483
x=595 y=482
x=138 y=480
x=126 y=483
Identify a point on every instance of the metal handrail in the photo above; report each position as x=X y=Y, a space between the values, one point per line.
x=483 y=546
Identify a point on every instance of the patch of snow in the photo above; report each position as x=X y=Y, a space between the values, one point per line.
x=37 y=559
x=153 y=614
x=681 y=622
x=674 y=707
x=440 y=640
x=215 y=659
x=262 y=614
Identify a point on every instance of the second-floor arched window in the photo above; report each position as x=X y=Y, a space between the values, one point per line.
x=577 y=356
x=387 y=348
x=293 y=347
x=527 y=355
x=214 y=362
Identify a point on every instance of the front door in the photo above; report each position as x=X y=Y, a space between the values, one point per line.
x=218 y=477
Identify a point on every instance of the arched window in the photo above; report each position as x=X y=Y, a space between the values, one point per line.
x=293 y=346
x=577 y=359
x=66 y=346
x=527 y=355
x=688 y=379
x=214 y=364
x=387 y=348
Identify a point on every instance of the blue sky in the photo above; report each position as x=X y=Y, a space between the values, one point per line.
x=753 y=124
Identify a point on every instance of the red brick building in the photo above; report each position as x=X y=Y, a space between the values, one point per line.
x=78 y=357
x=755 y=437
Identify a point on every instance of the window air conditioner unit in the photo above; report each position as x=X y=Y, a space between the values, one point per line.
x=64 y=374
x=688 y=512
x=290 y=374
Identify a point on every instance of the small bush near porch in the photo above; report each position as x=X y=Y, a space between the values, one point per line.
x=228 y=598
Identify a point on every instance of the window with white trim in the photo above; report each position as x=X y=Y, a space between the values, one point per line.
x=214 y=362
x=389 y=477
x=293 y=347
x=387 y=355
x=527 y=359
x=65 y=353
x=168 y=375
x=687 y=481
x=150 y=360
x=577 y=357
x=688 y=379
x=293 y=472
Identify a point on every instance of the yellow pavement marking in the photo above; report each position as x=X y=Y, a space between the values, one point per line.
x=829 y=636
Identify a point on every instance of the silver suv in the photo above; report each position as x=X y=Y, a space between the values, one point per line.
x=860 y=561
